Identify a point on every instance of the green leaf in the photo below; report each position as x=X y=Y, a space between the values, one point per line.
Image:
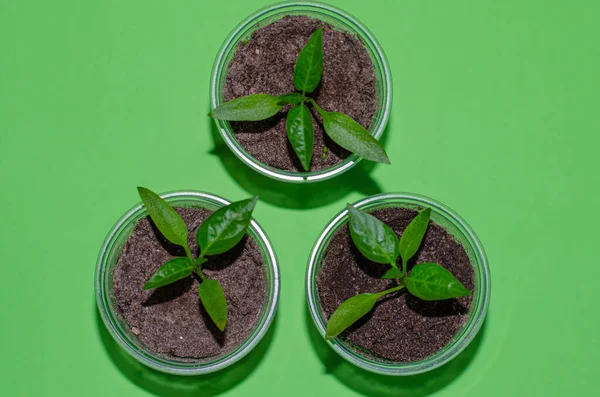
x=373 y=238
x=430 y=281
x=166 y=219
x=248 y=108
x=200 y=261
x=352 y=309
x=171 y=271
x=293 y=98
x=353 y=137
x=225 y=227
x=392 y=272
x=349 y=312
x=413 y=235
x=309 y=66
x=300 y=133
x=212 y=297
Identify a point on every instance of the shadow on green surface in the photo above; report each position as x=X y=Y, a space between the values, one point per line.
x=374 y=385
x=291 y=195
x=167 y=385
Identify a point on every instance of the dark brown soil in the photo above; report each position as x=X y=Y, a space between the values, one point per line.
x=401 y=328
x=171 y=320
x=265 y=64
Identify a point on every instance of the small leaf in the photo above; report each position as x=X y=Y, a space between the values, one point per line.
x=373 y=238
x=171 y=271
x=248 y=108
x=392 y=272
x=225 y=227
x=353 y=137
x=349 y=312
x=200 y=261
x=212 y=297
x=293 y=98
x=309 y=66
x=300 y=133
x=166 y=219
x=413 y=234
x=430 y=281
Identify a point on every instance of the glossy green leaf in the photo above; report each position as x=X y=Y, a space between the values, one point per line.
x=349 y=312
x=299 y=126
x=373 y=238
x=309 y=66
x=353 y=137
x=430 y=281
x=225 y=227
x=353 y=309
x=166 y=219
x=171 y=271
x=413 y=234
x=213 y=299
x=293 y=98
x=249 y=108
x=393 y=272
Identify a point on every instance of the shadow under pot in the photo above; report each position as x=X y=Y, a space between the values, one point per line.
x=404 y=323
x=305 y=136
x=167 y=328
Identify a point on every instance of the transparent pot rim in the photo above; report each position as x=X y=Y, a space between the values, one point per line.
x=480 y=299
x=380 y=63
x=157 y=361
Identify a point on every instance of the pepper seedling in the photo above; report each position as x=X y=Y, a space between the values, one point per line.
x=378 y=242
x=220 y=232
x=341 y=128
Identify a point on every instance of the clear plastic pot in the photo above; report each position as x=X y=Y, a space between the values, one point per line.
x=452 y=223
x=339 y=20
x=107 y=260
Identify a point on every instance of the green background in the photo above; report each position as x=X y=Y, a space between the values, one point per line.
x=495 y=114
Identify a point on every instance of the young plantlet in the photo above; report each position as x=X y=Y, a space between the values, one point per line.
x=342 y=129
x=220 y=232
x=378 y=242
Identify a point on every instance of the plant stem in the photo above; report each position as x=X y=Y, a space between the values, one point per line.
x=199 y=267
x=321 y=111
x=189 y=253
x=403 y=268
x=199 y=273
x=389 y=291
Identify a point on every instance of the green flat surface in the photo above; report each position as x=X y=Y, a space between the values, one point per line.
x=495 y=114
